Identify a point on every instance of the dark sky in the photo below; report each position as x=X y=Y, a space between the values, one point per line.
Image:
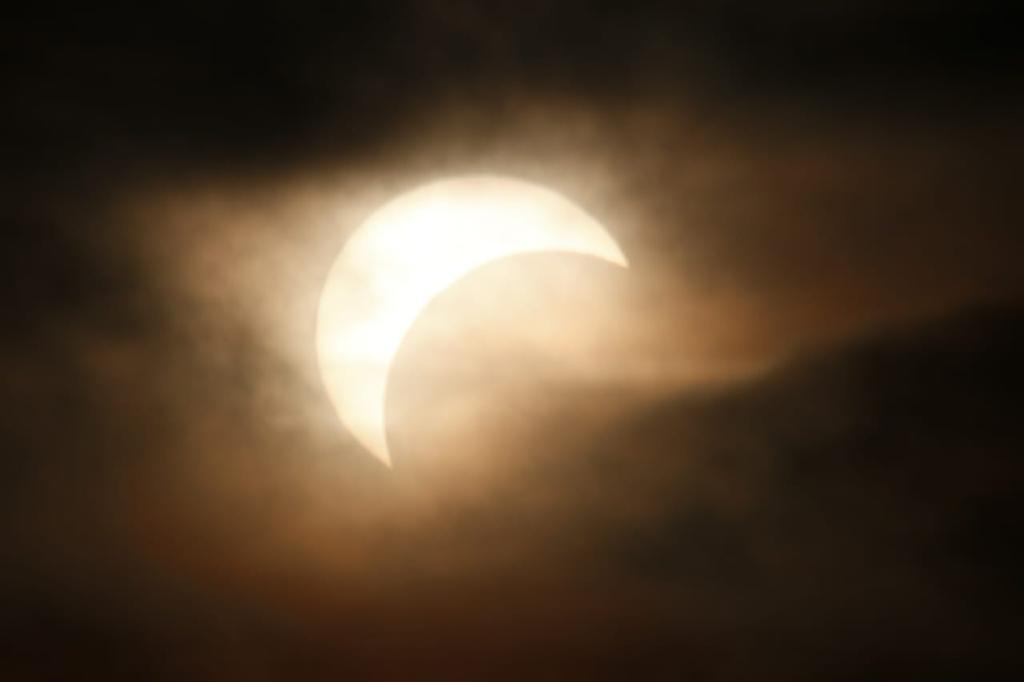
x=785 y=445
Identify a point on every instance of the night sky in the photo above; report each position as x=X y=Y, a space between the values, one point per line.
x=786 y=444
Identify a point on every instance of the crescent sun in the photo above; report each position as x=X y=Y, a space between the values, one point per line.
x=409 y=251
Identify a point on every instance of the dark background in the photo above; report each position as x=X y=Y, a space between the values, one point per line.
x=823 y=195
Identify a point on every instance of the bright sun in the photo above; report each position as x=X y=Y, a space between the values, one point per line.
x=408 y=252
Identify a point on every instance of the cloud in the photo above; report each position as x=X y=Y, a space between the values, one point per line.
x=712 y=472
x=855 y=509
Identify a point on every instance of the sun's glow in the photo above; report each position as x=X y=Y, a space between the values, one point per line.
x=408 y=252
